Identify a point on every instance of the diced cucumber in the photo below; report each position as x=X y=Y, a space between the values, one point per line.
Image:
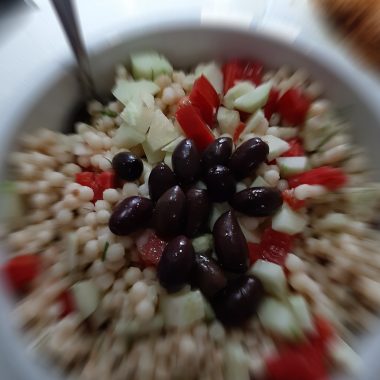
x=127 y=137
x=161 y=131
x=228 y=120
x=272 y=277
x=137 y=116
x=213 y=73
x=149 y=65
x=235 y=362
x=11 y=205
x=253 y=100
x=86 y=297
x=203 y=244
x=172 y=145
x=168 y=160
x=292 y=165
x=259 y=181
x=278 y=319
x=288 y=221
x=302 y=313
x=153 y=156
x=283 y=132
x=276 y=146
x=256 y=123
x=217 y=210
x=125 y=90
x=183 y=309
x=236 y=92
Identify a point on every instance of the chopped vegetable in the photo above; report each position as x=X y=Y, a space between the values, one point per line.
x=276 y=146
x=292 y=165
x=228 y=120
x=259 y=181
x=296 y=148
x=239 y=70
x=149 y=65
x=150 y=248
x=288 y=221
x=256 y=123
x=213 y=73
x=138 y=116
x=238 y=90
x=254 y=99
x=172 y=145
x=152 y=156
x=293 y=106
x=105 y=249
x=183 y=309
x=238 y=131
x=98 y=182
x=271 y=276
x=291 y=200
x=21 y=270
x=86 y=297
x=332 y=178
x=204 y=97
x=235 y=362
x=203 y=243
x=193 y=126
x=272 y=103
x=126 y=91
x=127 y=137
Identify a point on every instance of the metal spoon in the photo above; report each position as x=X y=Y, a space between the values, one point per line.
x=67 y=16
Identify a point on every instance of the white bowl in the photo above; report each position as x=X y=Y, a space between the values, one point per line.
x=48 y=98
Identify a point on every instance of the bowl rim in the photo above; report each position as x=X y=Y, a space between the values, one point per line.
x=15 y=353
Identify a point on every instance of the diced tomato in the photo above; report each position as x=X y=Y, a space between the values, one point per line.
x=293 y=106
x=254 y=252
x=238 y=131
x=301 y=362
x=274 y=246
x=332 y=178
x=150 y=248
x=97 y=181
x=21 y=270
x=291 y=200
x=85 y=179
x=67 y=303
x=324 y=332
x=239 y=70
x=296 y=148
x=271 y=105
x=193 y=126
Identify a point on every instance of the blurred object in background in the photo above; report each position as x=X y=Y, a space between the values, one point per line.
x=359 y=22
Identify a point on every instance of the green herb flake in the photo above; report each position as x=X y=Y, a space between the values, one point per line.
x=109 y=113
x=105 y=250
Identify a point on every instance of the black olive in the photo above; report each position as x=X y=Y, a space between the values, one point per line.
x=217 y=153
x=130 y=215
x=127 y=166
x=231 y=247
x=198 y=209
x=175 y=265
x=257 y=201
x=207 y=275
x=221 y=184
x=247 y=157
x=186 y=162
x=169 y=213
x=161 y=178
x=239 y=300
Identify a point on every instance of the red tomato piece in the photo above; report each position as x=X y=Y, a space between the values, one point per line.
x=239 y=70
x=97 y=181
x=150 y=249
x=85 y=179
x=205 y=98
x=324 y=332
x=275 y=246
x=21 y=270
x=293 y=106
x=271 y=105
x=301 y=362
x=332 y=178
x=238 y=131
x=296 y=148
x=193 y=126
x=254 y=252
x=291 y=200
x=67 y=303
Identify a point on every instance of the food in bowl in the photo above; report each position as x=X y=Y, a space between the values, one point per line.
x=214 y=224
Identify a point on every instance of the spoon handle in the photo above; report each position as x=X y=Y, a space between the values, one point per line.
x=66 y=14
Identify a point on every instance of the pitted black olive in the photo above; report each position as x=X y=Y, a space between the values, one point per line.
x=247 y=157
x=130 y=215
x=239 y=300
x=198 y=208
x=169 y=213
x=221 y=184
x=217 y=153
x=186 y=162
x=257 y=201
x=161 y=178
x=231 y=247
x=207 y=275
x=175 y=265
